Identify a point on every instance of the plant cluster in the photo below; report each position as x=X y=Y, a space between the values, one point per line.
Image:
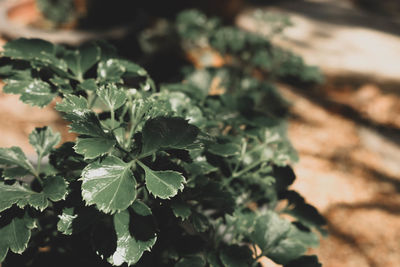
x=188 y=173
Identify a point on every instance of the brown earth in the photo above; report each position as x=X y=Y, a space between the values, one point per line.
x=350 y=171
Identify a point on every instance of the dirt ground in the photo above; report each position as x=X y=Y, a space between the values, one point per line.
x=350 y=171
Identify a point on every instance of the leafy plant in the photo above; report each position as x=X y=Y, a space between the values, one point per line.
x=57 y=11
x=188 y=173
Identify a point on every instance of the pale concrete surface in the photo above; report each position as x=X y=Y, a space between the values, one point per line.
x=339 y=38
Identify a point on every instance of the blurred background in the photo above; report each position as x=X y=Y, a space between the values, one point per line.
x=345 y=127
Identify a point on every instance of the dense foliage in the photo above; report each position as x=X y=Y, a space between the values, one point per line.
x=193 y=172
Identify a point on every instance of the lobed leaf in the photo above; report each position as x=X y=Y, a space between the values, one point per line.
x=163 y=184
x=14 y=156
x=64 y=224
x=191 y=261
x=82 y=59
x=37 y=52
x=181 y=209
x=92 y=148
x=109 y=184
x=15 y=236
x=34 y=92
x=112 y=96
x=43 y=140
x=164 y=132
x=129 y=249
x=54 y=188
x=84 y=121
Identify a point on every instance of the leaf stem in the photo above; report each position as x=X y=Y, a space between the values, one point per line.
x=248 y=168
x=36 y=172
x=112 y=118
x=92 y=101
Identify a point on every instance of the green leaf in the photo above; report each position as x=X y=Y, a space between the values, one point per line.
x=237 y=256
x=140 y=208
x=92 y=148
x=305 y=213
x=15 y=157
x=14 y=173
x=213 y=260
x=224 y=150
x=43 y=140
x=110 y=70
x=74 y=107
x=109 y=184
x=112 y=96
x=63 y=85
x=54 y=188
x=163 y=132
x=163 y=184
x=64 y=225
x=277 y=238
x=3 y=250
x=191 y=261
x=88 y=85
x=84 y=121
x=129 y=249
x=37 y=52
x=82 y=59
x=34 y=92
x=181 y=209
x=15 y=236
x=200 y=222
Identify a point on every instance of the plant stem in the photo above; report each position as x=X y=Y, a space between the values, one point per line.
x=92 y=101
x=112 y=118
x=37 y=170
x=39 y=164
x=248 y=168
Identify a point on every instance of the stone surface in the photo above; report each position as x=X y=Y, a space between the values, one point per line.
x=339 y=38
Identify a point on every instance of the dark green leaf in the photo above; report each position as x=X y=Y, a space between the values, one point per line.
x=37 y=52
x=15 y=236
x=63 y=85
x=43 y=140
x=305 y=213
x=236 y=256
x=224 y=150
x=34 y=92
x=191 y=261
x=129 y=249
x=163 y=132
x=82 y=59
x=181 y=209
x=110 y=70
x=109 y=184
x=200 y=222
x=15 y=157
x=92 y=148
x=163 y=184
x=64 y=224
x=14 y=173
x=54 y=188
x=88 y=85
x=73 y=106
x=277 y=238
x=84 y=121
x=112 y=96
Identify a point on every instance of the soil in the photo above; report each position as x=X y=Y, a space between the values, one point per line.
x=350 y=171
